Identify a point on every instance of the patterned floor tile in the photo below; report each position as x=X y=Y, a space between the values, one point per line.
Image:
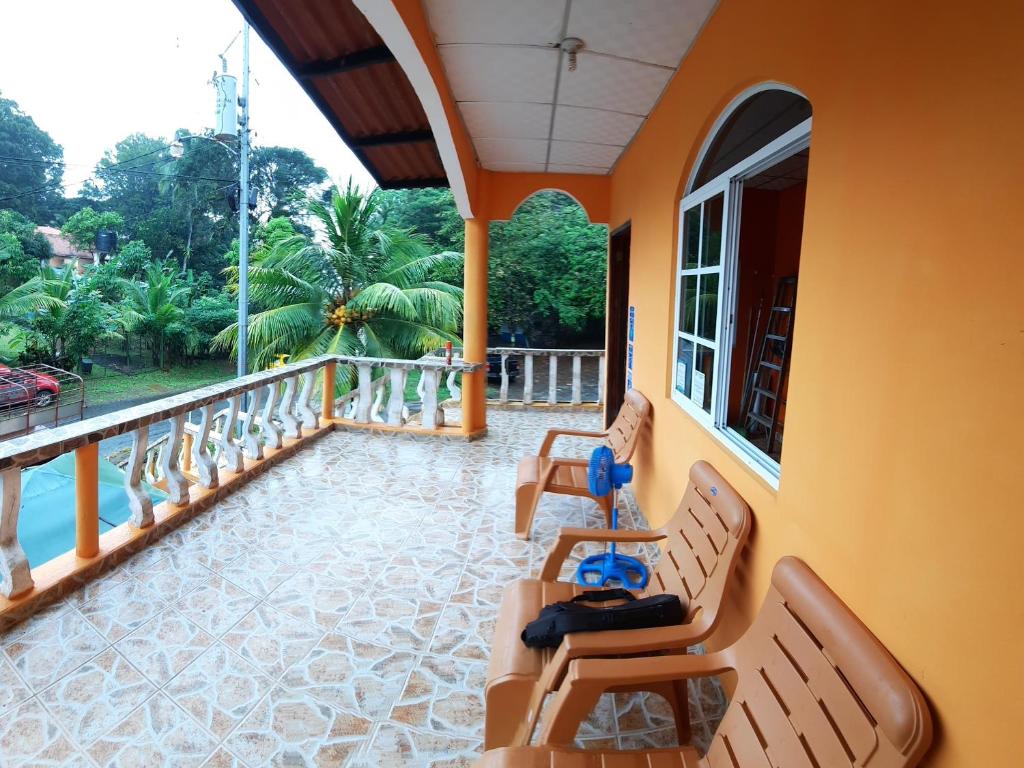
x=223 y=759
x=218 y=689
x=465 y=632
x=122 y=609
x=445 y=695
x=398 y=746
x=353 y=675
x=12 y=690
x=316 y=599
x=175 y=576
x=216 y=605
x=271 y=639
x=155 y=734
x=48 y=646
x=164 y=645
x=392 y=618
x=30 y=736
x=96 y=696
x=257 y=573
x=290 y=728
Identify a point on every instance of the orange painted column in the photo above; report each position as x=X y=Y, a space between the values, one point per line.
x=474 y=335
x=87 y=500
x=327 y=407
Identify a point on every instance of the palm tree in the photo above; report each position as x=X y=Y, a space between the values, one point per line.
x=154 y=304
x=358 y=288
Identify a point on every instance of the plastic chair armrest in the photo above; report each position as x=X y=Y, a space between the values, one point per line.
x=570 y=537
x=549 y=439
x=587 y=679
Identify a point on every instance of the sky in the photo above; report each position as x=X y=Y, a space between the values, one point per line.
x=90 y=73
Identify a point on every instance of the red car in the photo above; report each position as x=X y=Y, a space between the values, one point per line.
x=21 y=386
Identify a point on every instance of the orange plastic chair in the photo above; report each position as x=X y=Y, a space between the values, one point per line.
x=815 y=689
x=702 y=544
x=544 y=473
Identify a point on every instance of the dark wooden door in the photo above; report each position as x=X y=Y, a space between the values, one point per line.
x=618 y=321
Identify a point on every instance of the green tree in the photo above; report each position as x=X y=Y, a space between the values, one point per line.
x=128 y=178
x=154 y=304
x=363 y=289
x=132 y=260
x=31 y=165
x=81 y=228
x=547 y=271
x=283 y=177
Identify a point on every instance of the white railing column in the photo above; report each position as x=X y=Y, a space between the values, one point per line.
x=378 y=401
x=397 y=400
x=453 y=388
x=139 y=503
x=270 y=432
x=252 y=448
x=527 y=378
x=365 y=393
x=304 y=408
x=14 y=569
x=552 y=379
x=600 y=379
x=503 y=393
x=577 y=379
x=285 y=412
x=177 y=483
x=205 y=464
x=234 y=461
x=433 y=416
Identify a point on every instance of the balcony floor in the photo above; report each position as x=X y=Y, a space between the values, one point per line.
x=335 y=611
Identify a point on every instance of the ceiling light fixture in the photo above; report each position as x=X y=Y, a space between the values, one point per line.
x=571 y=46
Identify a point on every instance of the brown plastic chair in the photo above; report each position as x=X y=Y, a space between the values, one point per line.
x=702 y=543
x=544 y=473
x=815 y=689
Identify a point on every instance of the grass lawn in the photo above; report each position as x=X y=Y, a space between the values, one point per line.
x=106 y=385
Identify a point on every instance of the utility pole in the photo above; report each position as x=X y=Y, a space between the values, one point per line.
x=243 y=212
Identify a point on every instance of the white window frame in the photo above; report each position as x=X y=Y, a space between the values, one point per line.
x=730 y=183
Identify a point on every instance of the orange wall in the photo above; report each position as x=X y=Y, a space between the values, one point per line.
x=901 y=479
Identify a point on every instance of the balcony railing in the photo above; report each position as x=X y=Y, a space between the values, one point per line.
x=196 y=464
x=577 y=396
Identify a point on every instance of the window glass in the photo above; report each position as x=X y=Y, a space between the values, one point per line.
x=703 y=377
x=684 y=366
x=688 y=310
x=757 y=122
x=691 y=237
x=711 y=236
x=707 y=306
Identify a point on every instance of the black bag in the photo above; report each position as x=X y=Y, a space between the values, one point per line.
x=558 y=619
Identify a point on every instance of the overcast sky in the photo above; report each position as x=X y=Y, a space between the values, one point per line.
x=92 y=72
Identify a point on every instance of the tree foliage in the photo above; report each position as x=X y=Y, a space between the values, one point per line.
x=360 y=289
x=31 y=165
x=81 y=228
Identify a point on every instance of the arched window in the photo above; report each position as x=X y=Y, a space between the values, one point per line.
x=738 y=268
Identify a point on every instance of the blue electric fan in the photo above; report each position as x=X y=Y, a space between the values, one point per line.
x=605 y=477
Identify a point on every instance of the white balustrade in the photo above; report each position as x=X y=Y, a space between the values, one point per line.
x=214 y=442
x=527 y=378
x=552 y=379
x=139 y=503
x=579 y=393
x=503 y=392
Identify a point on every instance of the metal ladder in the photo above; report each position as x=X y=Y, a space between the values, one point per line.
x=764 y=395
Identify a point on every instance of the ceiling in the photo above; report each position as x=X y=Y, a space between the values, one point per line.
x=522 y=107
x=352 y=76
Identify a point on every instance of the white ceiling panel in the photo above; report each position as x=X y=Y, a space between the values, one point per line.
x=506 y=120
x=616 y=84
x=522 y=22
x=594 y=125
x=516 y=167
x=656 y=31
x=552 y=168
x=524 y=109
x=578 y=153
x=500 y=73
x=511 y=150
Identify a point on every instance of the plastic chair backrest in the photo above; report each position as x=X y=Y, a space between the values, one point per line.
x=816 y=688
x=705 y=538
x=625 y=430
